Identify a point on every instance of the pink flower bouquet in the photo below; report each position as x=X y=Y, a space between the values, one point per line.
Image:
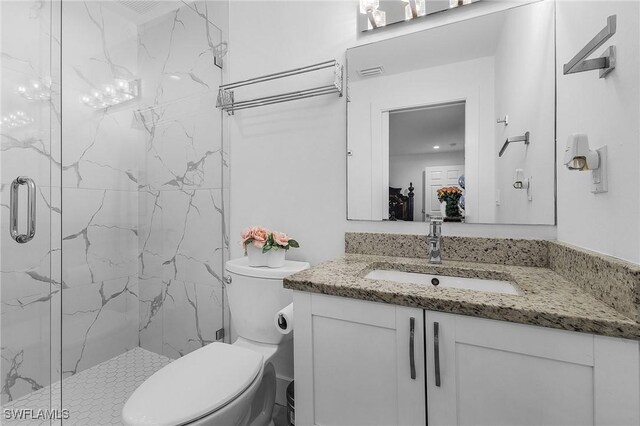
x=266 y=240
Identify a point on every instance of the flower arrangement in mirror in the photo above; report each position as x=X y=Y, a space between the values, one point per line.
x=266 y=248
x=450 y=195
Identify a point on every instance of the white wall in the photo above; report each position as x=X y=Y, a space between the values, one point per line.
x=404 y=169
x=289 y=161
x=608 y=110
x=526 y=56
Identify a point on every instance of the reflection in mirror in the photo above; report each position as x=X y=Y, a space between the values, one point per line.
x=375 y=14
x=430 y=114
x=426 y=151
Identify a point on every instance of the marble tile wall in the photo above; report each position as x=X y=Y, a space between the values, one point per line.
x=100 y=169
x=183 y=188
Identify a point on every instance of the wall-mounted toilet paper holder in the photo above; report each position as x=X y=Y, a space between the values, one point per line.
x=282 y=322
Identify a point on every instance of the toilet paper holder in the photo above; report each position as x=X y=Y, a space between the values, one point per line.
x=522 y=182
x=283 y=319
x=282 y=322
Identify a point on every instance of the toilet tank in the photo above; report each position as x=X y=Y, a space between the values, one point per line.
x=255 y=296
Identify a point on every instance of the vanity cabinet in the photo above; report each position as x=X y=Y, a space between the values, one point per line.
x=501 y=373
x=353 y=366
x=356 y=362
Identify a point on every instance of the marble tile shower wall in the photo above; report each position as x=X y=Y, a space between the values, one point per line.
x=100 y=169
x=182 y=198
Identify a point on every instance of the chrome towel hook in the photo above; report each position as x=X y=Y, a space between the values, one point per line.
x=524 y=138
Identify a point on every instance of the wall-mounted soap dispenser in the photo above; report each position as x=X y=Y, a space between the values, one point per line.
x=578 y=156
x=522 y=182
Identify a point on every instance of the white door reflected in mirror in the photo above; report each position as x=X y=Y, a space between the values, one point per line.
x=437 y=178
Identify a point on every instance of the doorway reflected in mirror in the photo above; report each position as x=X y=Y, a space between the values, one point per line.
x=426 y=153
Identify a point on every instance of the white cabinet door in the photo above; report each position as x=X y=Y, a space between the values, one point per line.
x=353 y=362
x=500 y=373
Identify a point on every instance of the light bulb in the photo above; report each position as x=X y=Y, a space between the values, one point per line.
x=122 y=84
x=368 y=5
x=377 y=18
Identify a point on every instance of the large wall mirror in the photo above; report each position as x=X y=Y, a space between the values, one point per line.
x=456 y=121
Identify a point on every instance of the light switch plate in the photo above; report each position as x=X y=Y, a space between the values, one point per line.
x=599 y=176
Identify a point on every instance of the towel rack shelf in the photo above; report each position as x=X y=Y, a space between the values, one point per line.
x=227 y=100
x=605 y=63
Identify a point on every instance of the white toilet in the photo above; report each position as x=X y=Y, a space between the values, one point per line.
x=222 y=384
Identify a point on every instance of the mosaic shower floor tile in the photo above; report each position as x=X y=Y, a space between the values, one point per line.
x=94 y=396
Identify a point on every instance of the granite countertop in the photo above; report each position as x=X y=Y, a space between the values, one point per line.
x=547 y=299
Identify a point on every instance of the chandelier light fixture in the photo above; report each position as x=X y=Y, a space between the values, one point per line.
x=36 y=90
x=15 y=120
x=119 y=92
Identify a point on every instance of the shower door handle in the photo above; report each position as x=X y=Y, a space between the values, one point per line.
x=31 y=210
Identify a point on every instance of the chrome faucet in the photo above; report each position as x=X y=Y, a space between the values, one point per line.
x=434 y=239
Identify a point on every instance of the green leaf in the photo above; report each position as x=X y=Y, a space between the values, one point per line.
x=266 y=248
x=294 y=243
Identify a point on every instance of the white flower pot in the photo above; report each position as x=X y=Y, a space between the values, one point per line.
x=256 y=256
x=274 y=258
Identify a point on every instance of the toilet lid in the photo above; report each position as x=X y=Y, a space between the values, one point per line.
x=193 y=386
x=241 y=266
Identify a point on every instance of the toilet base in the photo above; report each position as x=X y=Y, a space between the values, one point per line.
x=253 y=408
x=265 y=398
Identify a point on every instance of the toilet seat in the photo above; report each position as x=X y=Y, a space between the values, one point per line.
x=194 y=386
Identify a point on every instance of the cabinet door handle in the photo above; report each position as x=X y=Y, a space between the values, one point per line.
x=436 y=351
x=31 y=210
x=412 y=356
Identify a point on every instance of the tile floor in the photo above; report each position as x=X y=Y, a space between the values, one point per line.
x=96 y=396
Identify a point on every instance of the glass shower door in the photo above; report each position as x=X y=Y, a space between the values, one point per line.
x=130 y=277
x=30 y=210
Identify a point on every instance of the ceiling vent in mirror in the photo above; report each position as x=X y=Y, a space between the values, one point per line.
x=369 y=72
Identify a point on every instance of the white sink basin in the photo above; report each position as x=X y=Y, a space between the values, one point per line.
x=475 y=284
